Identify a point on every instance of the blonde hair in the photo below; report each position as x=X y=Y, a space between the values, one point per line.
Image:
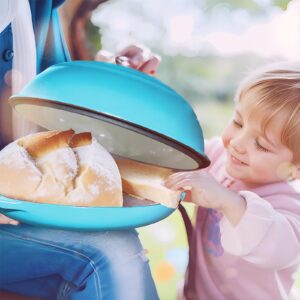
x=274 y=90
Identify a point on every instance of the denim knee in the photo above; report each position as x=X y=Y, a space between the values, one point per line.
x=101 y=265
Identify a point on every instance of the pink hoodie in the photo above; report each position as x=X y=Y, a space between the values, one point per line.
x=256 y=259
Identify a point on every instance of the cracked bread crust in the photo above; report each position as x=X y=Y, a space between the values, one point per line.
x=60 y=167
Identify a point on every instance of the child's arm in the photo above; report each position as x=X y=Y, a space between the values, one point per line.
x=265 y=236
x=251 y=228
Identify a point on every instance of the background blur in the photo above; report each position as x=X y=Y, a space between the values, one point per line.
x=206 y=47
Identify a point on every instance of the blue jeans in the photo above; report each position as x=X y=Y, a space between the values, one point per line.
x=57 y=264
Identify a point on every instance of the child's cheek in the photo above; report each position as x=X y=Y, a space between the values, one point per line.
x=260 y=169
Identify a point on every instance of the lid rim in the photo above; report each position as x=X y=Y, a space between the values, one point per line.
x=201 y=159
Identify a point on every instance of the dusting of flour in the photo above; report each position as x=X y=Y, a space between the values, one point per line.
x=97 y=157
x=16 y=156
x=63 y=164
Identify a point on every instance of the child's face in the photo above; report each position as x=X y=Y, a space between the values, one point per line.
x=254 y=157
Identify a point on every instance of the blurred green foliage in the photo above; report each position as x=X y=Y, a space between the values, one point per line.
x=209 y=84
x=93 y=39
x=254 y=6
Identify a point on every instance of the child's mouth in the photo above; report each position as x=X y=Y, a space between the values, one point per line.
x=236 y=160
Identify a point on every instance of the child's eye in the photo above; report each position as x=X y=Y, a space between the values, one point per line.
x=236 y=123
x=260 y=147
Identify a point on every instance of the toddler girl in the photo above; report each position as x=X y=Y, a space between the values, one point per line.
x=246 y=242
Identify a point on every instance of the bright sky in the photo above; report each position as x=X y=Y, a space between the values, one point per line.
x=181 y=27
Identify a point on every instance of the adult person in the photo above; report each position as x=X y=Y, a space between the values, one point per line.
x=51 y=263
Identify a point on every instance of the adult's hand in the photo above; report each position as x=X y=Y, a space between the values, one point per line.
x=6 y=220
x=137 y=57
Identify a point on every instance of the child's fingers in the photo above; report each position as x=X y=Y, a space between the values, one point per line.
x=174 y=178
x=171 y=180
x=180 y=175
x=182 y=184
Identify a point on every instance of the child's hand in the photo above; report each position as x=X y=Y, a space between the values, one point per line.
x=204 y=190
x=6 y=220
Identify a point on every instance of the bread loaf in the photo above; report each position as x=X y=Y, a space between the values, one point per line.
x=147 y=182
x=60 y=167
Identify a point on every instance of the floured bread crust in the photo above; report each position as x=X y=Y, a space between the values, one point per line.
x=60 y=167
x=19 y=175
x=42 y=143
x=95 y=164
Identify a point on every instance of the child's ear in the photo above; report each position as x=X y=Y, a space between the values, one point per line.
x=296 y=171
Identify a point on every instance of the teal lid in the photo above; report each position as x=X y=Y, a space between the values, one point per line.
x=131 y=114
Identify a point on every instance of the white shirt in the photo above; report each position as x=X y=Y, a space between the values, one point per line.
x=17 y=12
